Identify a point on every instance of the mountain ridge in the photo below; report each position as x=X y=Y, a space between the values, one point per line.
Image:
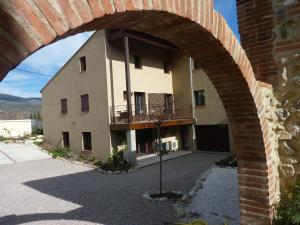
x=15 y=107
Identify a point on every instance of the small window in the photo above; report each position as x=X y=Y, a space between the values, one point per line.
x=66 y=139
x=199 y=97
x=166 y=67
x=64 y=106
x=196 y=65
x=85 y=106
x=87 y=141
x=137 y=62
x=82 y=61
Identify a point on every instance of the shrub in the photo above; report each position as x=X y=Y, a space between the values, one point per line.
x=92 y=159
x=116 y=157
x=2 y=138
x=83 y=158
x=116 y=162
x=288 y=211
x=230 y=161
x=98 y=163
x=60 y=152
x=36 y=131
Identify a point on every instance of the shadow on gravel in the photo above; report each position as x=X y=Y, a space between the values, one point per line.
x=116 y=199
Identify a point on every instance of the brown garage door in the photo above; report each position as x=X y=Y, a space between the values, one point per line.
x=213 y=138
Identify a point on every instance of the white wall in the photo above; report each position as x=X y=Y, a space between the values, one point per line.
x=70 y=83
x=17 y=128
x=213 y=112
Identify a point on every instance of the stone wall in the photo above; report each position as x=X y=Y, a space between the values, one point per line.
x=270 y=34
x=200 y=32
x=287 y=87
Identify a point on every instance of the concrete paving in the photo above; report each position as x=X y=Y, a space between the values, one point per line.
x=13 y=153
x=149 y=160
x=4 y=159
x=53 y=191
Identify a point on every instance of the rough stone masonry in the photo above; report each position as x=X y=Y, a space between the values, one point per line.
x=270 y=34
x=287 y=88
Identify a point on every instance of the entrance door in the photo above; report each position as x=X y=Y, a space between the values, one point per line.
x=213 y=138
x=144 y=141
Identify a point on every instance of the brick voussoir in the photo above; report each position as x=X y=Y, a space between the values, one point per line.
x=195 y=28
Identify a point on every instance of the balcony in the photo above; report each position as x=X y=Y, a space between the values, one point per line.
x=146 y=116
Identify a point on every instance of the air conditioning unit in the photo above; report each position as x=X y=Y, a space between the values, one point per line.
x=174 y=145
x=168 y=146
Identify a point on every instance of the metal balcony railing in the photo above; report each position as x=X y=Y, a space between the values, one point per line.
x=149 y=113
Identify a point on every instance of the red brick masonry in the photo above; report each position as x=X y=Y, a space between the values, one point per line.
x=199 y=31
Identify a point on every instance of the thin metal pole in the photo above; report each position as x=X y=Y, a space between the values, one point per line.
x=160 y=158
x=127 y=73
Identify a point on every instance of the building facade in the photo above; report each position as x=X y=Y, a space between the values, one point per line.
x=120 y=86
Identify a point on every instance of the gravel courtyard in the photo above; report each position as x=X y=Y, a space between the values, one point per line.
x=56 y=192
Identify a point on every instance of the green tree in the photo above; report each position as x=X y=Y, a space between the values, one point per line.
x=38 y=115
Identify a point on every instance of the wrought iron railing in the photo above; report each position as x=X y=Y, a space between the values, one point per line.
x=149 y=113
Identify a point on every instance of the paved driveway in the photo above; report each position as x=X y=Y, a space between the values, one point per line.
x=12 y=153
x=56 y=192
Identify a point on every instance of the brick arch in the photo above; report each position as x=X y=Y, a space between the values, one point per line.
x=194 y=27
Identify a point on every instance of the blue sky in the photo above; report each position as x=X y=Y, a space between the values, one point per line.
x=51 y=58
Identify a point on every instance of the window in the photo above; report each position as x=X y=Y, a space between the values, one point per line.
x=166 y=67
x=66 y=139
x=199 y=97
x=139 y=100
x=64 y=106
x=196 y=65
x=85 y=107
x=87 y=141
x=168 y=99
x=137 y=62
x=82 y=62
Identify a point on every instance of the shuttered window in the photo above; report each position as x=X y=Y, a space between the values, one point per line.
x=199 y=97
x=156 y=99
x=64 y=105
x=85 y=107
